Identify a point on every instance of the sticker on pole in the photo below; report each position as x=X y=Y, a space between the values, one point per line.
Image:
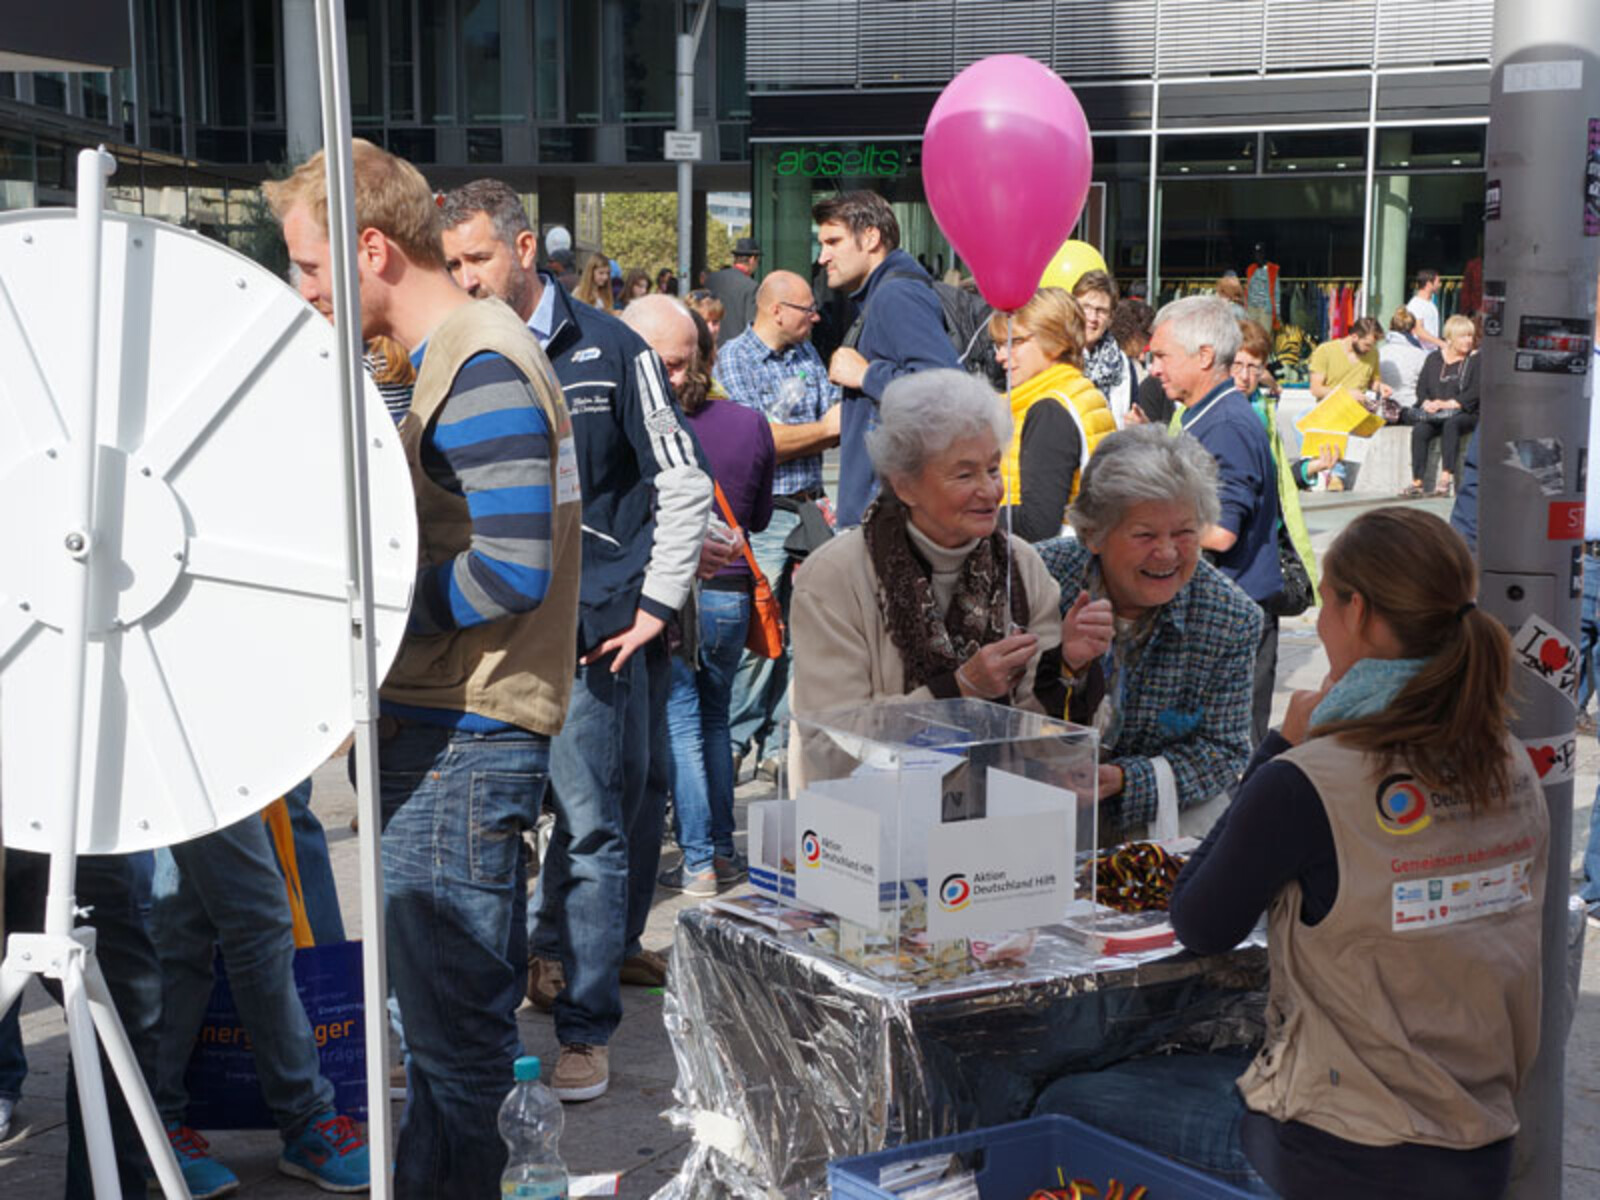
x=1553 y=345
x=1575 y=581
x=1546 y=652
x=1539 y=458
x=1491 y=201
x=1554 y=758
x=1591 y=182
x=1566 y=521
x=1494 y=307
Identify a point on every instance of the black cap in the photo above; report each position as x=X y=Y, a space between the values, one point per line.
x=746 y=246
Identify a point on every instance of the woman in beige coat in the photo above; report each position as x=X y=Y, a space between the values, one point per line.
x=927 y=599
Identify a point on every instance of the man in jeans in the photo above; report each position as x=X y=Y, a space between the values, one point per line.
x=773 y=368
x=645 y=506
x=482 y=678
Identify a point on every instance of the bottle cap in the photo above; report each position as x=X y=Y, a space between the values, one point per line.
x=526 y=1069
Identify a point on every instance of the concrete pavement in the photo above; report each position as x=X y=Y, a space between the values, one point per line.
x=623 y=1132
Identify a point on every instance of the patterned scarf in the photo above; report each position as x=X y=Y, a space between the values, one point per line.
x=1104 y=363
x=932 y=643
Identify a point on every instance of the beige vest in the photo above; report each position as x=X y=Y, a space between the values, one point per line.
x=1411 y=1012
x=519 y=669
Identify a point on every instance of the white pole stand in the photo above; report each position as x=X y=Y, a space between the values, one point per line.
x=71 y=959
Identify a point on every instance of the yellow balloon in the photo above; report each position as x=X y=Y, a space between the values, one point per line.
x=1072 y=261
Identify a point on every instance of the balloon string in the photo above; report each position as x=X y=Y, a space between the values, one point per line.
x=1010 y=364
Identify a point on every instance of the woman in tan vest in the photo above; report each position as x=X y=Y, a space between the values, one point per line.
x=1395 y=836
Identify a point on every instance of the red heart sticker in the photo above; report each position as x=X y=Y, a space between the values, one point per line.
x=1553 y=654
x=1444 y=910
x=1544 y=757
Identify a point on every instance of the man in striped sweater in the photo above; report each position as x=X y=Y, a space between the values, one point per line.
x=480 y=685
x=646 y=499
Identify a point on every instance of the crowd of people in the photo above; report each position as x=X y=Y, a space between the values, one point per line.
x=614 y=484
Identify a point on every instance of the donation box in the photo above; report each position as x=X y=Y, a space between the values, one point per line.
x=930 y=830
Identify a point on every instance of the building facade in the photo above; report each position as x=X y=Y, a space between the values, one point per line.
x=1344 y=138
x=557 y=97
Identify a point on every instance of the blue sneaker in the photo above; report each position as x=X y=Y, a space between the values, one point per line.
x=205 y=1176
x=331 y=1153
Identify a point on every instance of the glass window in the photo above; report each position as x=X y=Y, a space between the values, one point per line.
x=1121 y=158
x=96 y=93
x=1323 y=150
x=363 y=38
x=434 y=45
x=50 y=89
x=16 y=157
x=1208 y=154
x=1311 y=228
x=547 y=60
x=733 y=94
x=402 y=63
x=480 y=58
x=8 y=85
x=226 y=61
x=485 y=145
x=583 y=62
x=648 y=63
x=264 y=60
x=1439 y=147
x=413 y=145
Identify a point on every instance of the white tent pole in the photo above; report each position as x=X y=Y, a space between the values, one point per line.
x=333 y=67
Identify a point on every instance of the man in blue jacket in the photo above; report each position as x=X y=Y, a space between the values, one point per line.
x=1191 y=351
x=646 y=500
x=899 y=327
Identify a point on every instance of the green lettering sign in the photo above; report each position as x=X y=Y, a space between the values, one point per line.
x=867 y=160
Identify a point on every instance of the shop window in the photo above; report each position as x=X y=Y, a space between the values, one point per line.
x=1432 y=148
x=1322 y=150
x=1208 y=154
x=1121 y=157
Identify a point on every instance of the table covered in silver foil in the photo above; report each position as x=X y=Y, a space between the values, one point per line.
x=788 y=1058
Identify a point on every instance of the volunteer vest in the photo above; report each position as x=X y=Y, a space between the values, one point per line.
x=519 y=669
x=1069 y=387
x=1410 y=1013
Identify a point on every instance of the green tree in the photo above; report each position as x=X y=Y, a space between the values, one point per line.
x=640 y=229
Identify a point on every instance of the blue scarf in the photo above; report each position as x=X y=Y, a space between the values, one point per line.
x=1368 y=687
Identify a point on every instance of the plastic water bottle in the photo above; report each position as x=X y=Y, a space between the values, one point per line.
x=530 y=1125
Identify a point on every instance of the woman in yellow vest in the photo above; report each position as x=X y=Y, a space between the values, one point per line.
x=1057 y=416
x=1395 y=835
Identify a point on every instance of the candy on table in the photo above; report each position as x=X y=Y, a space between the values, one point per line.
x=1137 y=877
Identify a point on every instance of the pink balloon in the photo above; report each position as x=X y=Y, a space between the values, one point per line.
x=1006 y=160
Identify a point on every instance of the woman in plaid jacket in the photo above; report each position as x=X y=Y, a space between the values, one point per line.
x=1157 y=645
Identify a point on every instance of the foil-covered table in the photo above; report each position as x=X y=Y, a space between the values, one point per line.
x=788 y=1058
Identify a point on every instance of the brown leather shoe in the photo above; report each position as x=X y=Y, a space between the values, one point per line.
x=648 y=968
x=582 y=1072
x=545 y=981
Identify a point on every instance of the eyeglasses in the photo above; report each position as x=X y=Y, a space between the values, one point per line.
x=809 y=309
x=1248 y=368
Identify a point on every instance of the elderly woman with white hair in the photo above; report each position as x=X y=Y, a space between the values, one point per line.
x=1156 y=644
x=927 y=599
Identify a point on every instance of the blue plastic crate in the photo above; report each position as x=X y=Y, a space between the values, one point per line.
x=1011 y=1161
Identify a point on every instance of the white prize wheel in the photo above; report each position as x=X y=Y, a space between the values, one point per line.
x=220 y=667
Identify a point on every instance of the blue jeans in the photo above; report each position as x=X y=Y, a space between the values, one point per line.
x=317 y=887
x=598 y=768
x=759 y=707
x=455 y=807
x=649 y=820
x=223 y=891
x=1185 y=1107
x=106 y=884
x=697 y=718
x=1589 y=649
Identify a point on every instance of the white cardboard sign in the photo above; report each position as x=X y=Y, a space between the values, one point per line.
x=1012 y=869
x=838 y=854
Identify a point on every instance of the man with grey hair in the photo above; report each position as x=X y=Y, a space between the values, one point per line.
x=645 y=505
x=1191 y=351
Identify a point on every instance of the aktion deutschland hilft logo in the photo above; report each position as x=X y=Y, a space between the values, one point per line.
x=811 y=848
x=955 y=893
x=1402 y=806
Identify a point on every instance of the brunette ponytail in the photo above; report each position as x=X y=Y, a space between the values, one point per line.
x=1449 y=723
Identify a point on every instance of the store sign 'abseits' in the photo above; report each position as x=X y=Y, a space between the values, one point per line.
x=870 y=160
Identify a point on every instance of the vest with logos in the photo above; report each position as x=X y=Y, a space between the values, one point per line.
x=1410 y=1013
x=519 y=669
x=1069 y=387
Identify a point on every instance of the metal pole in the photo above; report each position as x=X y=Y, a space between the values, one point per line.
x=1539 y=299
x=688 y=44
x=1152 y=217
x=342 y=233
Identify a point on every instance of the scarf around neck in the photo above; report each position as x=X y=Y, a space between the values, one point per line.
x=931 y=642
x=1104 y=363
x=1367 y=688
